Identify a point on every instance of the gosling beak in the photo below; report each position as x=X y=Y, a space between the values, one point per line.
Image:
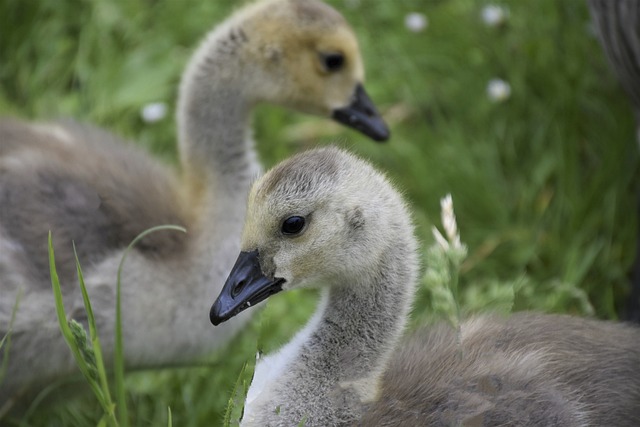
x=362 y=115
x=246 y=286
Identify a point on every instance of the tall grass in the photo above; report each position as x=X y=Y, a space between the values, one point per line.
x=88 y=354
x=544 y=181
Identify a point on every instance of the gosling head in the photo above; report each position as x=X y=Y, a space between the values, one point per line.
x=321 y=218
x=309 y=60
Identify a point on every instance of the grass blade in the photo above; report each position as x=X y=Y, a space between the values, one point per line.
x=93 y=335
x=233 y=400
x=72 y=336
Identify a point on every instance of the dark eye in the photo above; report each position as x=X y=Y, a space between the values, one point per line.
x=332 y=61
x=293 y=225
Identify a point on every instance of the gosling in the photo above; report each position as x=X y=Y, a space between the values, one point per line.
x=327 y=219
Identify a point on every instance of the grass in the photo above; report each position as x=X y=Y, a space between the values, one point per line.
x=544 y=183
x=88 y=354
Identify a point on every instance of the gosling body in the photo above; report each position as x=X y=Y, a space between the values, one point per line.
x=350 y=364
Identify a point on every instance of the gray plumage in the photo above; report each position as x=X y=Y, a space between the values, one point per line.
x=108 y=192
x=527 y=370
x=90 y=187
x=350 y=364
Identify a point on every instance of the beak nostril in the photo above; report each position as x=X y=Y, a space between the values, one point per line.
x=237 y=289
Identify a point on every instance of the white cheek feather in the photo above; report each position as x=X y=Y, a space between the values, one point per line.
x=270 y=368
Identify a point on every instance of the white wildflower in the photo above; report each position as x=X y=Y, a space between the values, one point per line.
x=416 y=22
x=154 y=112
x=494 y=15
x=498 y=90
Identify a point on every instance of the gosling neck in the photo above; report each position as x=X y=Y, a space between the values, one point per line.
x=362 y=322
x=218 y=166
x=216 y=149
x=344 y=350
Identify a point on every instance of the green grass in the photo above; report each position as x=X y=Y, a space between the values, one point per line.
x=544 y=183
x=86 y=352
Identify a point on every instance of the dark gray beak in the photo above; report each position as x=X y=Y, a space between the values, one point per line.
x=246 y=286
x=362 y=115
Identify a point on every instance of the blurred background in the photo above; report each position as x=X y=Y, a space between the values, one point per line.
x=509 y=106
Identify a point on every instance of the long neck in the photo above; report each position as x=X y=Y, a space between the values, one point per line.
x=336 y=362
x=216 y=150
x=359 y=329
x=214 y=109
x=218 y=165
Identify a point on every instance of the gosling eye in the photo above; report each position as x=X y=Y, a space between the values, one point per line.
x=293 y=225
x=332 y=62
